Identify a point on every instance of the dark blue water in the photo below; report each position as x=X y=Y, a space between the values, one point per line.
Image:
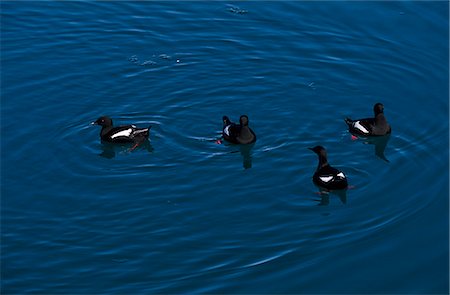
x=183 y=214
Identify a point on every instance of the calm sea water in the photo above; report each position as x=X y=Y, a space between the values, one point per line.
x=183 y=214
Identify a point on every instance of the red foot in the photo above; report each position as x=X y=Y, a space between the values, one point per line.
x=134 y=147
x=218 y=141
x=354 y=137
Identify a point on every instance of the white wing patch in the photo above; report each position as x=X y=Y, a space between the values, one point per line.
x=341 y=175
x=226 y=130
x=125 y=133
x=360 y=127
x=326 y=178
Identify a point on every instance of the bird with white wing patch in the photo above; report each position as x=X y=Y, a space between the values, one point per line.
x=121 y=134
x=376 y=126
x=326 y=176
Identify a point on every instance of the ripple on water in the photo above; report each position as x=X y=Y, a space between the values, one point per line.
x=184 y=210
x=68 y=140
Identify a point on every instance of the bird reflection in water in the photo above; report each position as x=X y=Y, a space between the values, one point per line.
x=380 y=143
x=246 y=153
x=325 y=196
x=109 y=150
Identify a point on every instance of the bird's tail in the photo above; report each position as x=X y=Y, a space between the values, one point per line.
x=348 y=121
x=143 y=132
x=226 y=121
x=147 y=132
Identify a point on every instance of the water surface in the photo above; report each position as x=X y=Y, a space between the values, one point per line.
x=183 y=214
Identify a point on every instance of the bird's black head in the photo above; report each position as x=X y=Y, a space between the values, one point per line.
x=378 y=108
x=243 y=120
x=103 y=121
x=319 y=150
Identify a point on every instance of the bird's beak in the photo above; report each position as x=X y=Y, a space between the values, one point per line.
x=311 y=149
x=93 y=123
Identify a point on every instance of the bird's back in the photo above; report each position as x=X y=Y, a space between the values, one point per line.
x=330 y=178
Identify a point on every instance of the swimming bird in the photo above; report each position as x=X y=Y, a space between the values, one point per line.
x=121 y=134
x=235 y=133
x=376 y=126
x=326 y=176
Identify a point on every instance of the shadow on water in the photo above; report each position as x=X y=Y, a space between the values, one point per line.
x=325 y=196
x=109 y=150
